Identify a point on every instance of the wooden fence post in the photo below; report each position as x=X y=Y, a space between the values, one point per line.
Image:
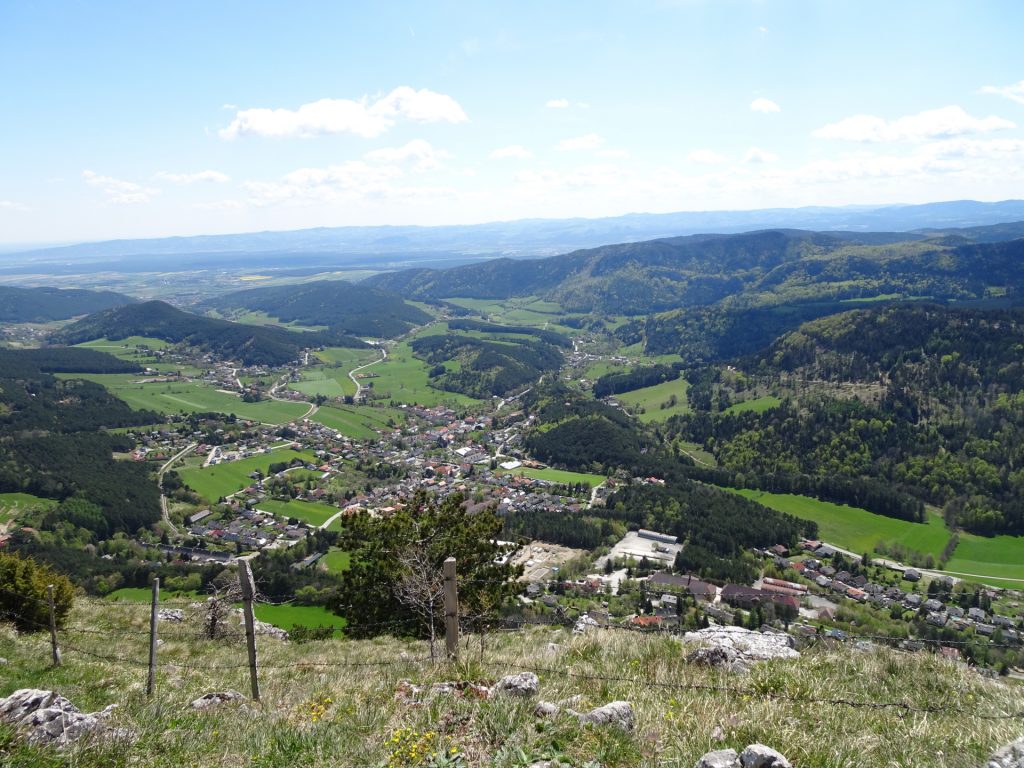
x=53 y=626
x=248 y=593
x=153 y=617
x=451 y=610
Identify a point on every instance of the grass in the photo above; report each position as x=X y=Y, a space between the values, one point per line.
x=331 y=379
x=145 y=595
x=854 y=528
x=336 y=560
x=650 y=399
x=288 y=616
x=332 y=703
x=359 y=422
x=191 y=397
x=559 y=476
x=224 y=479
x=13 y=503
x=403 y=378
x=757 y=405
x=999 y=557
x=308 y=512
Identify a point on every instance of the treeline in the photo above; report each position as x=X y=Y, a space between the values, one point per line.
x=638 y=378
x=29 y=363
x=47 y=404
x=570 y=530
x=41 y=305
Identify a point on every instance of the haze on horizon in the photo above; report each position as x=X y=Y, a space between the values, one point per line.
x=201 y=118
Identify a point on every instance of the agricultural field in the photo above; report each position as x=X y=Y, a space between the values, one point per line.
x=526 y=310
x=331 y=379
x=311 y=513
x=126 y=348
x=558 y=476
x=11 y=504
x=336 y=560
x=403 y=379
x=757 y=405
x=854 y=528
x=651 y=400
x=145 y=595
x=1000 y=559
x=288 y=616
x=225 y=479
x=361 y=422
x=190 y=397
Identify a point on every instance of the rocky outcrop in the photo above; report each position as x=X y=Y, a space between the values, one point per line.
x=47 y=717
x=739 y=645
x=1010 y=756
x=619 y=713
x=754 y=756
x=523 y=684
x=216 y=699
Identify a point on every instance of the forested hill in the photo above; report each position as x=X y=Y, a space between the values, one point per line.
x=41 y=305
x=250 y=344
x=756 y=269
x=342 y=306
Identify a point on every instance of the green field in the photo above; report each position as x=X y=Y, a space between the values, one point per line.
x=331 y=379
x=403 y=378
x=999 y=559
x=853 y=528
x=336 y=560
x=288 y=616
x=125 y=348
x=13 y=503
x=359 y=422
x=190 y=397
x=224 y=479
x=558 y=476
x=145 y=595
x=308 y=512
x=757 y=405
x=652 y=398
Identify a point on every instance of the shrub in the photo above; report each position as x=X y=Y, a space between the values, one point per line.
x=23 y=593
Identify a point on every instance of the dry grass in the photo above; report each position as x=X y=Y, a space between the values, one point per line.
x=320 y=708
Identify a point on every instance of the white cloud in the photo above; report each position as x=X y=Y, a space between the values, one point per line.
x=419 y=153
x=706 y=157
x=758 y=155
x=941 y=123
x=577 y=143
x=192 y=178
x=1013 y=92
x=512 y=150
x=764 y=105
x=557 y=103
x=333 y=116
x=10 y=205
x=119 y=191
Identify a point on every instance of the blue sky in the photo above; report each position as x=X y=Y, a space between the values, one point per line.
x=150 y=119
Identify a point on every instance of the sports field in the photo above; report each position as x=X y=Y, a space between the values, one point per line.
x=651 y=400
x=190 y=397
x=308 y=512
x=558 y=476
x=224 y=479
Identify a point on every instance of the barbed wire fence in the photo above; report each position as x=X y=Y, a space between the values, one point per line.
x=458 y=625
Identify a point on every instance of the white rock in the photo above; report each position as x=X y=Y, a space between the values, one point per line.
x=748 y=645
x=722 y=758
x=48 y=717
x=522 y=684
x=175 y=615
x=618 y=713
x=1010 y=756
x=216 y=698
x=760 y=756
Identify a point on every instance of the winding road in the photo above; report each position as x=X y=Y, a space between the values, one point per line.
x=164 y=512
x=352 y=373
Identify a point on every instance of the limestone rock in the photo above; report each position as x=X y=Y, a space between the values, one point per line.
x=760 y=756
x=719 y=656
x=546 y=709
x=47 y=717
x=262 y=628
x=722 y=758
x=583 y=624
x=1010 y=756
x=618 y=713
x=749 y=646
x=216 y=699
x=175 y=615
x=522 y=684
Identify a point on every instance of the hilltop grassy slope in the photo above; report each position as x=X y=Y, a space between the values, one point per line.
x=333 y=703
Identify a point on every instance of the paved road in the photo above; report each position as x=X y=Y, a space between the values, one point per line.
x=164 y=512
x=352 y=373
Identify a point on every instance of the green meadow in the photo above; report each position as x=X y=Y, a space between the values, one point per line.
x=336 y=560
x=11 y=504
x=359 y=422
x=288 y=616
x=190 y=397
x=651 y=400
x=403 y=378
x=224 y=479
x=558 y=476
x=757 y=405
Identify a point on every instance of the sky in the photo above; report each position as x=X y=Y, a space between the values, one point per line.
x=153 y=119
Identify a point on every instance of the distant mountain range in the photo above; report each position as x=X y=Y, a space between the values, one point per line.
x=391 y=247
